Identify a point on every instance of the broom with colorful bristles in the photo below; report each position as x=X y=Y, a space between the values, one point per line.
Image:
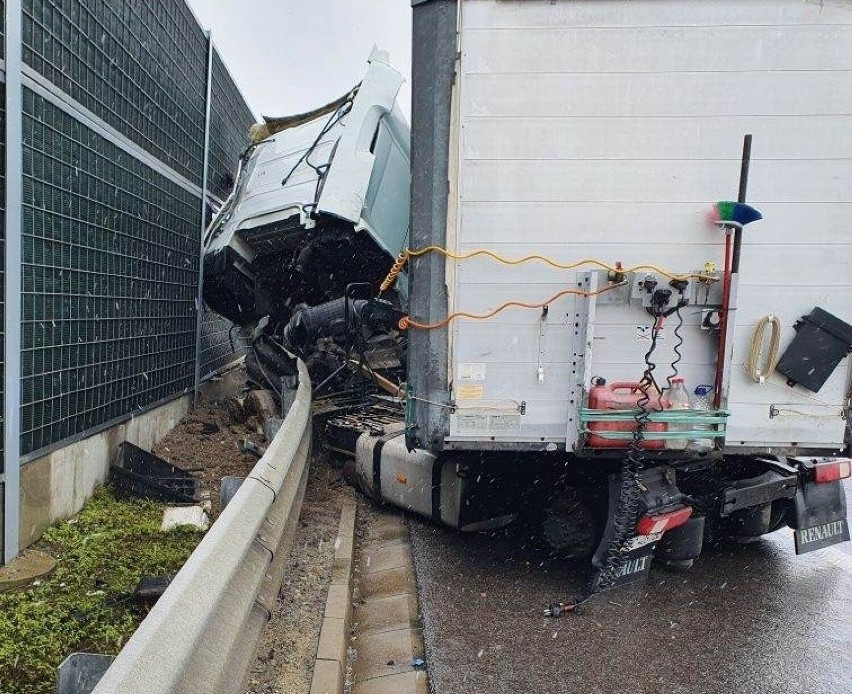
x=732 y=217
x=734 y=214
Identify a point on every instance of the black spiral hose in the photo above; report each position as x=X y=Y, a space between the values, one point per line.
x=676 y=348
x=627 y=507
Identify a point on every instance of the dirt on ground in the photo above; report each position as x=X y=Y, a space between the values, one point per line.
x=288 y=646
x=206 y=444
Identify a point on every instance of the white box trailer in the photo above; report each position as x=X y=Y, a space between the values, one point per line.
x=565 y=159
x=597 y=136
x=606 y=130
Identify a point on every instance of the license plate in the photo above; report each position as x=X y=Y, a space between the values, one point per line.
x=822 y=535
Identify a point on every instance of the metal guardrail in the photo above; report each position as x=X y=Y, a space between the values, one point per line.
x=202 y=634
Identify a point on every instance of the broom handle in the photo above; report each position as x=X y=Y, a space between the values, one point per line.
x=732 y=267
x=741 y=197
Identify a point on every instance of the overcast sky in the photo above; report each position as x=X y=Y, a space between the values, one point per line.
x=290 y=56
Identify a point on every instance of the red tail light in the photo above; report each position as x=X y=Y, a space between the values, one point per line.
x=659 y=523
x=833 y=470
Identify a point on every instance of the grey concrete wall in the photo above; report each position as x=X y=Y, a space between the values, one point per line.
x=57 y=485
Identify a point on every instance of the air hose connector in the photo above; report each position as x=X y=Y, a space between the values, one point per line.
x=397 y=267
x=557 y=609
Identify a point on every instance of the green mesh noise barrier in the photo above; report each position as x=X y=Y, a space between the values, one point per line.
x=230 y=120
x=110 y=263
x=222 y=343
x=139 y=66
x=110 y=246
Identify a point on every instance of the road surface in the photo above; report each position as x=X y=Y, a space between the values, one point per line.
x=746 y=618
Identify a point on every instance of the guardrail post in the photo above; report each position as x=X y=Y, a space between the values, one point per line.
x=12 y=319
x=199 y=300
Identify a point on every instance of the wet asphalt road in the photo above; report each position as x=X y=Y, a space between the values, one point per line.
x=746 y=618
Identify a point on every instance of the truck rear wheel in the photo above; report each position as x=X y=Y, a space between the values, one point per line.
x=569 y=525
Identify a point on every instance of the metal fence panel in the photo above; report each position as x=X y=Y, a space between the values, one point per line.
x=110 y=253
x=2 y=245
x=222 y=343
x=139 y=66
x=230 y=120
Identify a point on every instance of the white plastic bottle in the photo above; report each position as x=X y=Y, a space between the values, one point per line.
x=702 y=401
x=677 y=399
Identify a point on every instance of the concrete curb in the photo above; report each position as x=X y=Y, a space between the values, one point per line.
x=331 y=660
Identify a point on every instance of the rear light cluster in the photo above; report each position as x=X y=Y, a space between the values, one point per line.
x=832 y=470
x=660 y=522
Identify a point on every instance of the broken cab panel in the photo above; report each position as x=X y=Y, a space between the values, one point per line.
x=320 y=202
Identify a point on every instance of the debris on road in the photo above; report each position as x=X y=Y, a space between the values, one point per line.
x=206 y=444
x=185 y=517
x=150 y=589
x=228 y=487
x=248 y=446
x=140 y=473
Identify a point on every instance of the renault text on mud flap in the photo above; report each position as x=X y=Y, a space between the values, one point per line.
x=637 y=565
x=821 y=536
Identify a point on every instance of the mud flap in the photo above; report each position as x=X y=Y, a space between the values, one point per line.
x=637 y=553
x=636 y=564
x=819 y=516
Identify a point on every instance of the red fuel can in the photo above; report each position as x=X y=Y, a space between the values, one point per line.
x=621 y=396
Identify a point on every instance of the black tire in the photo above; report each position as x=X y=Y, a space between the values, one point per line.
x=780 y=515
x=569 y=525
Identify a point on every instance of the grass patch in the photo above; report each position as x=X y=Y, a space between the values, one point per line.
x=101 y=555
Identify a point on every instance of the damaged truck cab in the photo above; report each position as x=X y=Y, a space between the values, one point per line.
x=320 y=201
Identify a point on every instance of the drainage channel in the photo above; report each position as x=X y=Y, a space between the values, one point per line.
x=387 y=642
x=371 y=641
x=286 y=654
